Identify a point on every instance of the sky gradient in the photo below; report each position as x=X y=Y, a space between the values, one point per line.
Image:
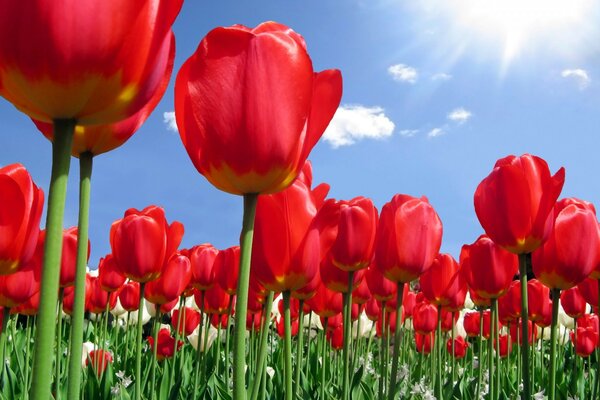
x=431 y=100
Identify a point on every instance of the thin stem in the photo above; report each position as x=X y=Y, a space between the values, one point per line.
x=180 y=321
x=555 y=302
x=596 y=378
x=287 y=345
x=262 y=350
x=495 y=332
x=382 y=376
x=57 y=363
x=347 y=340
x=524 y=260
x=3 y=334
x=138 y=346
x=198 y=347
x=399 y=295
x=480 y=351
x=76 y=346
x=438 y=353
x=490 y=355
x=453 y=353
x=299 y=347
x=324 y=362
x=46 y=322
x=157 y=316
x=239 y=332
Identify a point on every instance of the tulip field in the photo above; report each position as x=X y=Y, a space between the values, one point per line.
x=321 y=298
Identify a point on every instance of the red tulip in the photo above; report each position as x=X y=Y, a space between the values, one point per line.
x=409 y=237
x=361 y=293
x=408 y=302
x=165 y=344
x=279 y=324
x=142 y=242
x=189 y=320
x=538 y=300
x=172 y=282
x=588 y=321
x=19 y=286
x=250 y=108
x=337 y=279
x=227 y=269
x=488 y=268
x=372 y=310
x=516 y=329
x=514 y=202
x=21 y=203
x=216 y=300
x=253 y=321
x=99 y=359
x=589 y=291
x=219 y=321
x=325 y=302
x=129 y=296
x=69 y=297
x=478 y=300
x=336 y=338
x=573 y=249
x=460 y=347
x=504 y=345
x=471 y=321
x=285 y=249
x=380 y=287
x=442 y=282
x=587 y=341
x=98 y=69
x=100 y=299
x=573 y=302
x=255 y=301
x=425 y=316
x=424 y=342
x=509 y=304
x=109 y=273
x=30 y=307
x=294 y=308
x=202 y=258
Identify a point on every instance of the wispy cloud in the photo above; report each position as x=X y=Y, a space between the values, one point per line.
x=579 y=75
x=459 y=115
x=169 y=120
x=409 y=132
x=352 y=123
x=403 y=73
x=441 y=76
x=435 y=132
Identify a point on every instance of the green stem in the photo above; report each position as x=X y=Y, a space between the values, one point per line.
x=239 y=333
x=453 y=354
x=228 y=337
x=495 y=333
x=324 y=361
x=180 y=319
x=46 y=322
x=76 y=345
x=491 y=383
x=399 y=295
x=157 y=317
x=199 y=355
x=555 y=302
x=382 y=374
x=3 y=334
x=138 y=346
x=438 y=353
x=299 y=348
x=524 y=260
x=27 y=363
x=57 y=374
x=480 y=353
x=262 y=350
x=347 y=340
x=597 y=377
x=287 y=345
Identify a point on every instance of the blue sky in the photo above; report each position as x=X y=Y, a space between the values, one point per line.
x=433 y=95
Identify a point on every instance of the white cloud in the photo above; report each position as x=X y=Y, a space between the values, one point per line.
x=403 y=73
x=441 y=76
x=409 y=132
x=169 y=120
x=580 y=75
x=435 y=132
x=352 y=123
x=459 y=115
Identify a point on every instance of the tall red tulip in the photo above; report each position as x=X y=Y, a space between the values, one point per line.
x=129 y=296
x=424 y=342
x=202 y=258
x=460 y=347
x=100 y=299
x=380 y=287
x=21 y=203
x=97 y=69
x=488 y=268
x=285 y=250
x=443 y=281
x=227 y=269
x=250 y=108
x=165 y=344
x=189 y=322
x=110 y=275
x=425 y=316
x=142 y=242
x=99 y=360
x=19 y=286
x=587 y=341
x=325 y=302
x=514 y=202
x=409 y=237
x=573 y=249
x=573 y=302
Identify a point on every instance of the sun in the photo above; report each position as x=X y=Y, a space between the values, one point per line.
x=511 y=28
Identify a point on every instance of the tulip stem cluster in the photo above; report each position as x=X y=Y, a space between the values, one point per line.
x=524 y=261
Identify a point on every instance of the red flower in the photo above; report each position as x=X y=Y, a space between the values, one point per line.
x=202 y=258
x=587 y=341
x=30 y=307
x=165 y=344
x=409 y=237
x=99 y=298
x=281 y=327
x=19 y=286
x=336 y=338
x=129 y=296
x=488 y=268
x=142 y=242
x=514 y=202
x=425 y=316
x=250 y=108
x=424 y=342
x=227 y=269
x=285 y=249
x=337 y=279
x=538 y=300
x=190 y=320
x=505 y=340
x=573 y=249
x=573 y=302
x=471 y=321
x=96 y=69
x=172 y=281
x=111 y=278
x=361 y=293
x=460 y=347
x=589 y=291
x=99 y=359
x=381 y=287
x=21 y=203
x=372 y=310
x=442 y=283
x=216 y=300
x=325 y=302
